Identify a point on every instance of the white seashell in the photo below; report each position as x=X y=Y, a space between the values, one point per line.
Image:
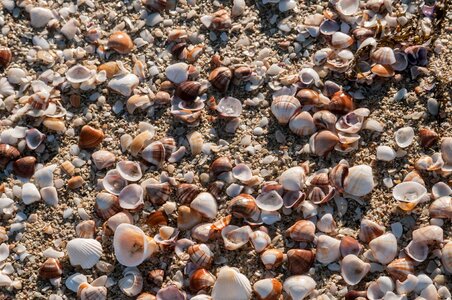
x=260 y=240
x=242 y=172
x=131 y=196
x=293 y=179
x=408 y=285
x=269 y=201
x=328 y=249
x=428 y=234
x=284 y=107
x=30 y=193
x=231 y=284
x=229 y=107
x=441 y=189
x=16 y=75
x=417 y=251
x=34 y=138
x=299 y=287
x=267 y=289
x=341 y=40
x=359 y=181
x=5 y=280
x=286 y=5
x=385 y=153
x=177 y=72
x=379 y=288
x=103 y=159
x=84 y=252
x=353 y=269
x=410 y=192
x=309 y=76
x=326 y=223
x=4 y=251
x=196 y=141
x=129 y=170
x=446 y=257
x=384 y=56
x=446 y=150
x=205 y=204
x=44 y=176
x=113 y=182
x=302 y=124
x=123 y=217
x=40 y=16
x=49 y=195
x=347 y=7
x=90 y=291
x=238 y=7
x=384 y=248
x=79 y=74
x=74 y=281
x=404 y=137
x=328 y=27
x=132 y=282
x=131 y=245
x=124 y=84
x=235 y=237
x=52 y=253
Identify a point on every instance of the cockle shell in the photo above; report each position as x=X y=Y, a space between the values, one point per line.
x=359 y=181
x=299 y=287
x=293 y=179
x=353 y=269
x=384 y=56
x=428 y=234
x=120 y=42
x=384 y=248
x=369 y=230
x=84 y=252
x=303 y=230
x=106 y=205
x=51 y=268
x=300 y=260
x=200 y=255
x=409 y=193
x=132 y=282
x=154 y=153
x=88 y=291
x=284 y=108
x=400 y=268
x=268 y=289
x=231 y=284
x=103 y=159
x=5 y=56
x=79 y=74
x=157 y=193
x=302 y=124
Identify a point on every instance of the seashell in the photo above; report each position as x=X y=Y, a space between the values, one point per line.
x=428 y=234
x=272 y=258
x=270 y=201
x=300 y=260
x=113 y=182
x=231 y=284
x=106 y=205
x=186 y=192
x=341 y=40
x=139 y=142
x=75 y=182
x=242 y=173
x=84 y=252
x=50 y=269
x=293 y=179
x=382 y=70
x=30 y=193
x=55 y=124
x=384 y=248
x=131 y=196
x=235 y=237
x=220 y=165
x=5 y=56
x=229 y=107
x=349 y=245
x=221 y=223
x=404 y=137
x=25 y=166
x=328 y=27
x=103 y=159
x=220 y=20
x=353 y=121
x=187 y=218
x=260 y=240
x=138 y=101
x=302 y=231
x=111 y=68
x=156 y=276
x=326 y=223
x=324 y=119
x=188 y=90
x=353 y=269
x=158 y=193
x=132 y=282
x=87 y=291
x=321 y=56
x=446 y=150
x=400 y=268
x=359 y=181
x=385 y=153
x=86 y=229
x=347 y=7
x=157 y=218
x=302 y=124
x=49 y=195
x=34 y=138
x=417 y=251
x=220 y=78
x=408 y=285
x=90 y=137
x=44 y=176
x=427 y=137
x=196 y=141
x=200 y=255
x=441 y=208
x=129 y=170
x=378 y=289
x=328 y=249
x=7 y=153
x=124 y=84
x=370 y=230
x=268 y=289
x=321 y=143
x=284 y=108
x=114 y=221
x=201 y=279
x=68 y=168
x=244 y=206
x=170 y=292
x=120 y=42
x=156 y=5
x=309 y=76
x=383 y=56
x=401 y=61
x=154 y=153
x=414 y=176
x=132 y=246
x=308 y=97
x=410 y=193
x=177 y=73
x=79 y=74
x=205 y=204
x=341 y=103
x=299 y=287
x=446 y=257
x=74 y=281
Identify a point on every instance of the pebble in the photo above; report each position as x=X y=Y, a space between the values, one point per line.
x=39 y=17
x=258 y=131
x=397 y=229
x=67 y=213
x=433 y=106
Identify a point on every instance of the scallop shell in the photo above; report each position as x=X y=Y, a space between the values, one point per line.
x=284 y=108
x=400 y=268
x=299 y=287
x=384 y=248
x=132 y=282
x=84 y=252
x=384 y=56
x=231 y=284
x=353 y=269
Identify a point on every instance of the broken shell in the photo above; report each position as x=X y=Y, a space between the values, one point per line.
x=202 y=232
x=328 y=249
x=268 y=289
x=111 y=68
x=220 y=20
x=131 y=196
x=272 y=258
x=34 y=138
x=359 y=181
x=220 y=78
x=200 y=255
x=75 y=182
x=201 y=279
x=25 y=166
x=232 y=283
x=205 y=204
x=124 y=84
x=409 y=193
x=84 y=252
x=384 y=56
x=106 y=205
x=384 y=248
x=177 y=73
x=350 y=245
x=51 y=268
x=132 y=282
x=302 y=124
x=441 y=208
x=132 y=246
x=186 y=192
x=90 y=137
x=79 y=74
x=300 y=260
x=5 y=56
x=353 y=269
x=120 y=42
x=302 y=231
x=347 y=7
x=154 y=153
x=30 y=193
x=113 y=182
x=299 y=287
x=309 y=76
x=293 y=179
x=103 y=159
x=284 y=108
x=156 y=5
x=369 y=230
x=129 y=170
x=49 y=195
x=260 y=240
x=400 y=268
x=404 y=137
x=408 y=285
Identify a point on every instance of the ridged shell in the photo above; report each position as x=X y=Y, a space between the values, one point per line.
x=302 y=124
x=220 y=78
x=186 y=192
x=284 y=108
x=51 y=268
x=84 y=252
x=231 y=284
x=7 y=153
x=370 y=230
x=384 y=56
x=441 y=208
x=106 y=205
x=244 y=206
x=154 y=153
x=132 y=282
x=341 y=40
x=400 y=268
x=300 y=261
x=188 y=90
x=200 y=255
x=201 y=279
x=158 y=193
x=384 y=248
x=89 y=292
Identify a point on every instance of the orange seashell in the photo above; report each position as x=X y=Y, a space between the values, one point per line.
x=268 y=289
x=302 y=231
x=382 y=70
x=201 y=279
x=222 y=223
x=337 y=176
x=308 y=97
x=90 y=137
x=50 y=269
x=220 y=20
x=146 y=296
x=5 y=56
x=400 y=268
x=157 y=218
x=272 y=258
x=75 y=182
x=220 y=78
x=25 y=166
x=200 y=255
x=350 y=245
x=156 y=276
x=300 y=260
x=427 y=137
x=341 y=103
x=120 y=42
x=194 y=53
x=187 y=217
x=352 y=295
x=7 y=153
x=111 y=68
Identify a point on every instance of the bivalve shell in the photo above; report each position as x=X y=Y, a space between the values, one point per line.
x=359 y=181
x=205 y=204
x=120 y=42
x=268 y=289
x=90 y=137
x=446 y=257
x=384 y=248
x=353 y=269
x=84 y=252
x=231 y=284
x=284 y=108
x=300 y=261
x=302 y=231
x=51 y=268
x=328 y=249
x=132 y=282
x=299 y=287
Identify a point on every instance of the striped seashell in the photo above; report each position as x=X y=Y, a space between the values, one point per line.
x=7 y=153
x=158 y=193
x=220 y=78
x=5 y=56
x=370 y=230
x=155 y=153
x=50 y=269
x=201 y=279
x=300 y=261
x=200 y=255
x=302 y=231
x=244 y=206
x=384 y=56
x=400 y=268
x=107 y=205
x=284 y=107
x=186 y=192
x=157 y=218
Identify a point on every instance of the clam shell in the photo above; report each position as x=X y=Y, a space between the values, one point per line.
x=370 y=230
x=353 y=269
x=384 y=56
x=205 y=204
x=155 y=153
x=326 y=223
x=350 y=245
x=285 y=107
x=79 y=74
x=408 y=285
x=235 y=237
x=299 y=286
x=347 y=7
x=309 y=76
x=385 y=153
x=270 y=201
x=157 y=193
x=120 y=42
x=88 y=292
x=131 y=196
x=177 y=73
x=428 y=234
x=201 y=279
x=272 y=258
x=379 y=288
x=321 y=143
x=103 y=159
x=84 y=252
x=260 y=240
x=268 y=289
x=446 y=150
x=341 y=40
x=106 y=205
x=404 y=136
x=328 y=249
x=129 y=170
x=417 y=251
x=300 y=260
x=446 y=257
x=229 y=107
x=117 y=219
x=200 y=255
x=302 y=124
x=90 y=137
x=441 y=208
x=303 y=230
x=293 y=179
x=359 y=181
x=187 y=218
x=231 y=284
x=132 y=282
x=244 y=206
x=124 y=84
x=113 y=182
x=5 y=56
x=34 y=138
x=384 y=248
x=410 y=193
x=186 y=192
x=400 y=268
x=242 y=172
x=51 y=268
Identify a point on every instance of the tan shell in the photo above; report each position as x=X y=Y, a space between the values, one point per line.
x=90 y=137
x=300 y=261
x=120 y=42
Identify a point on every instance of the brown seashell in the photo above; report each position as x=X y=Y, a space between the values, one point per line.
x=200 y=255
x=201 y=279
x=220 y=165
x=264 y=292
x=242 y=73
x=103 y=159
x=157 y=5
x=216 y=188
x=179 y=50
x=155 y=153
x=5 y=56
x=323 y=142
x=222 y=223
x=158 y=193
x=400 y=268
x=50 y=269
x=90 y=137
x=177 y=35
x=107 y=205
x=86 y=229
x=308 y=97
x=350 y=245
x=220 y=20
x=162 y=98
x=110 y=67
x=156 y=276
x=187 y=217
x=188 y=90
x=244 y=206
x=284 y=108
x=186 y=192
x=352 y=295
x=320 y=179
x=139 y=142
x=120 y=42
x=300 y=260
x=341 y=103
x=75 y=182
x=369 y=230
x=302 y=231
x=427 y=137
x=170 y=146
x=194 y=53
x=157 y=218
x=337 y=176
x=25 y=166
x=382 y=70
x=220 y=78
x=75 y=100
x=7 y=153
x=325 y=119
x=272 y=258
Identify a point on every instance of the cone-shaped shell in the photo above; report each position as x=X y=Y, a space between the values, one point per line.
x=154 y=153
x=299 y=287
x=84 y=252
x=302 y=231
x=231 y=285
x=268 y=289
x=353 y=269
x=205 y=204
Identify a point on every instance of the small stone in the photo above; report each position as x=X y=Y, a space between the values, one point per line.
x=397 y=229
x=39 y=17
x=433 y=106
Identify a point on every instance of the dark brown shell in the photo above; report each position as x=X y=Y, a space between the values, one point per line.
x=300 y=260
x=7 y=153
x=220 y=78
x=337 y=176
x=341 y=103
x=242 y=73
x=157 y=5
x=186 y=192
x=220 y=165
x=188 y=90
x=216 y=188
x=179 y=50
x=90 y=137
x=244 y=206
x=352 y=295
x=349 y=245
x=25 y=166
x=427 y=137
x=157 y=218
x=50 y=269
x=5 y=56
x=308 y=97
